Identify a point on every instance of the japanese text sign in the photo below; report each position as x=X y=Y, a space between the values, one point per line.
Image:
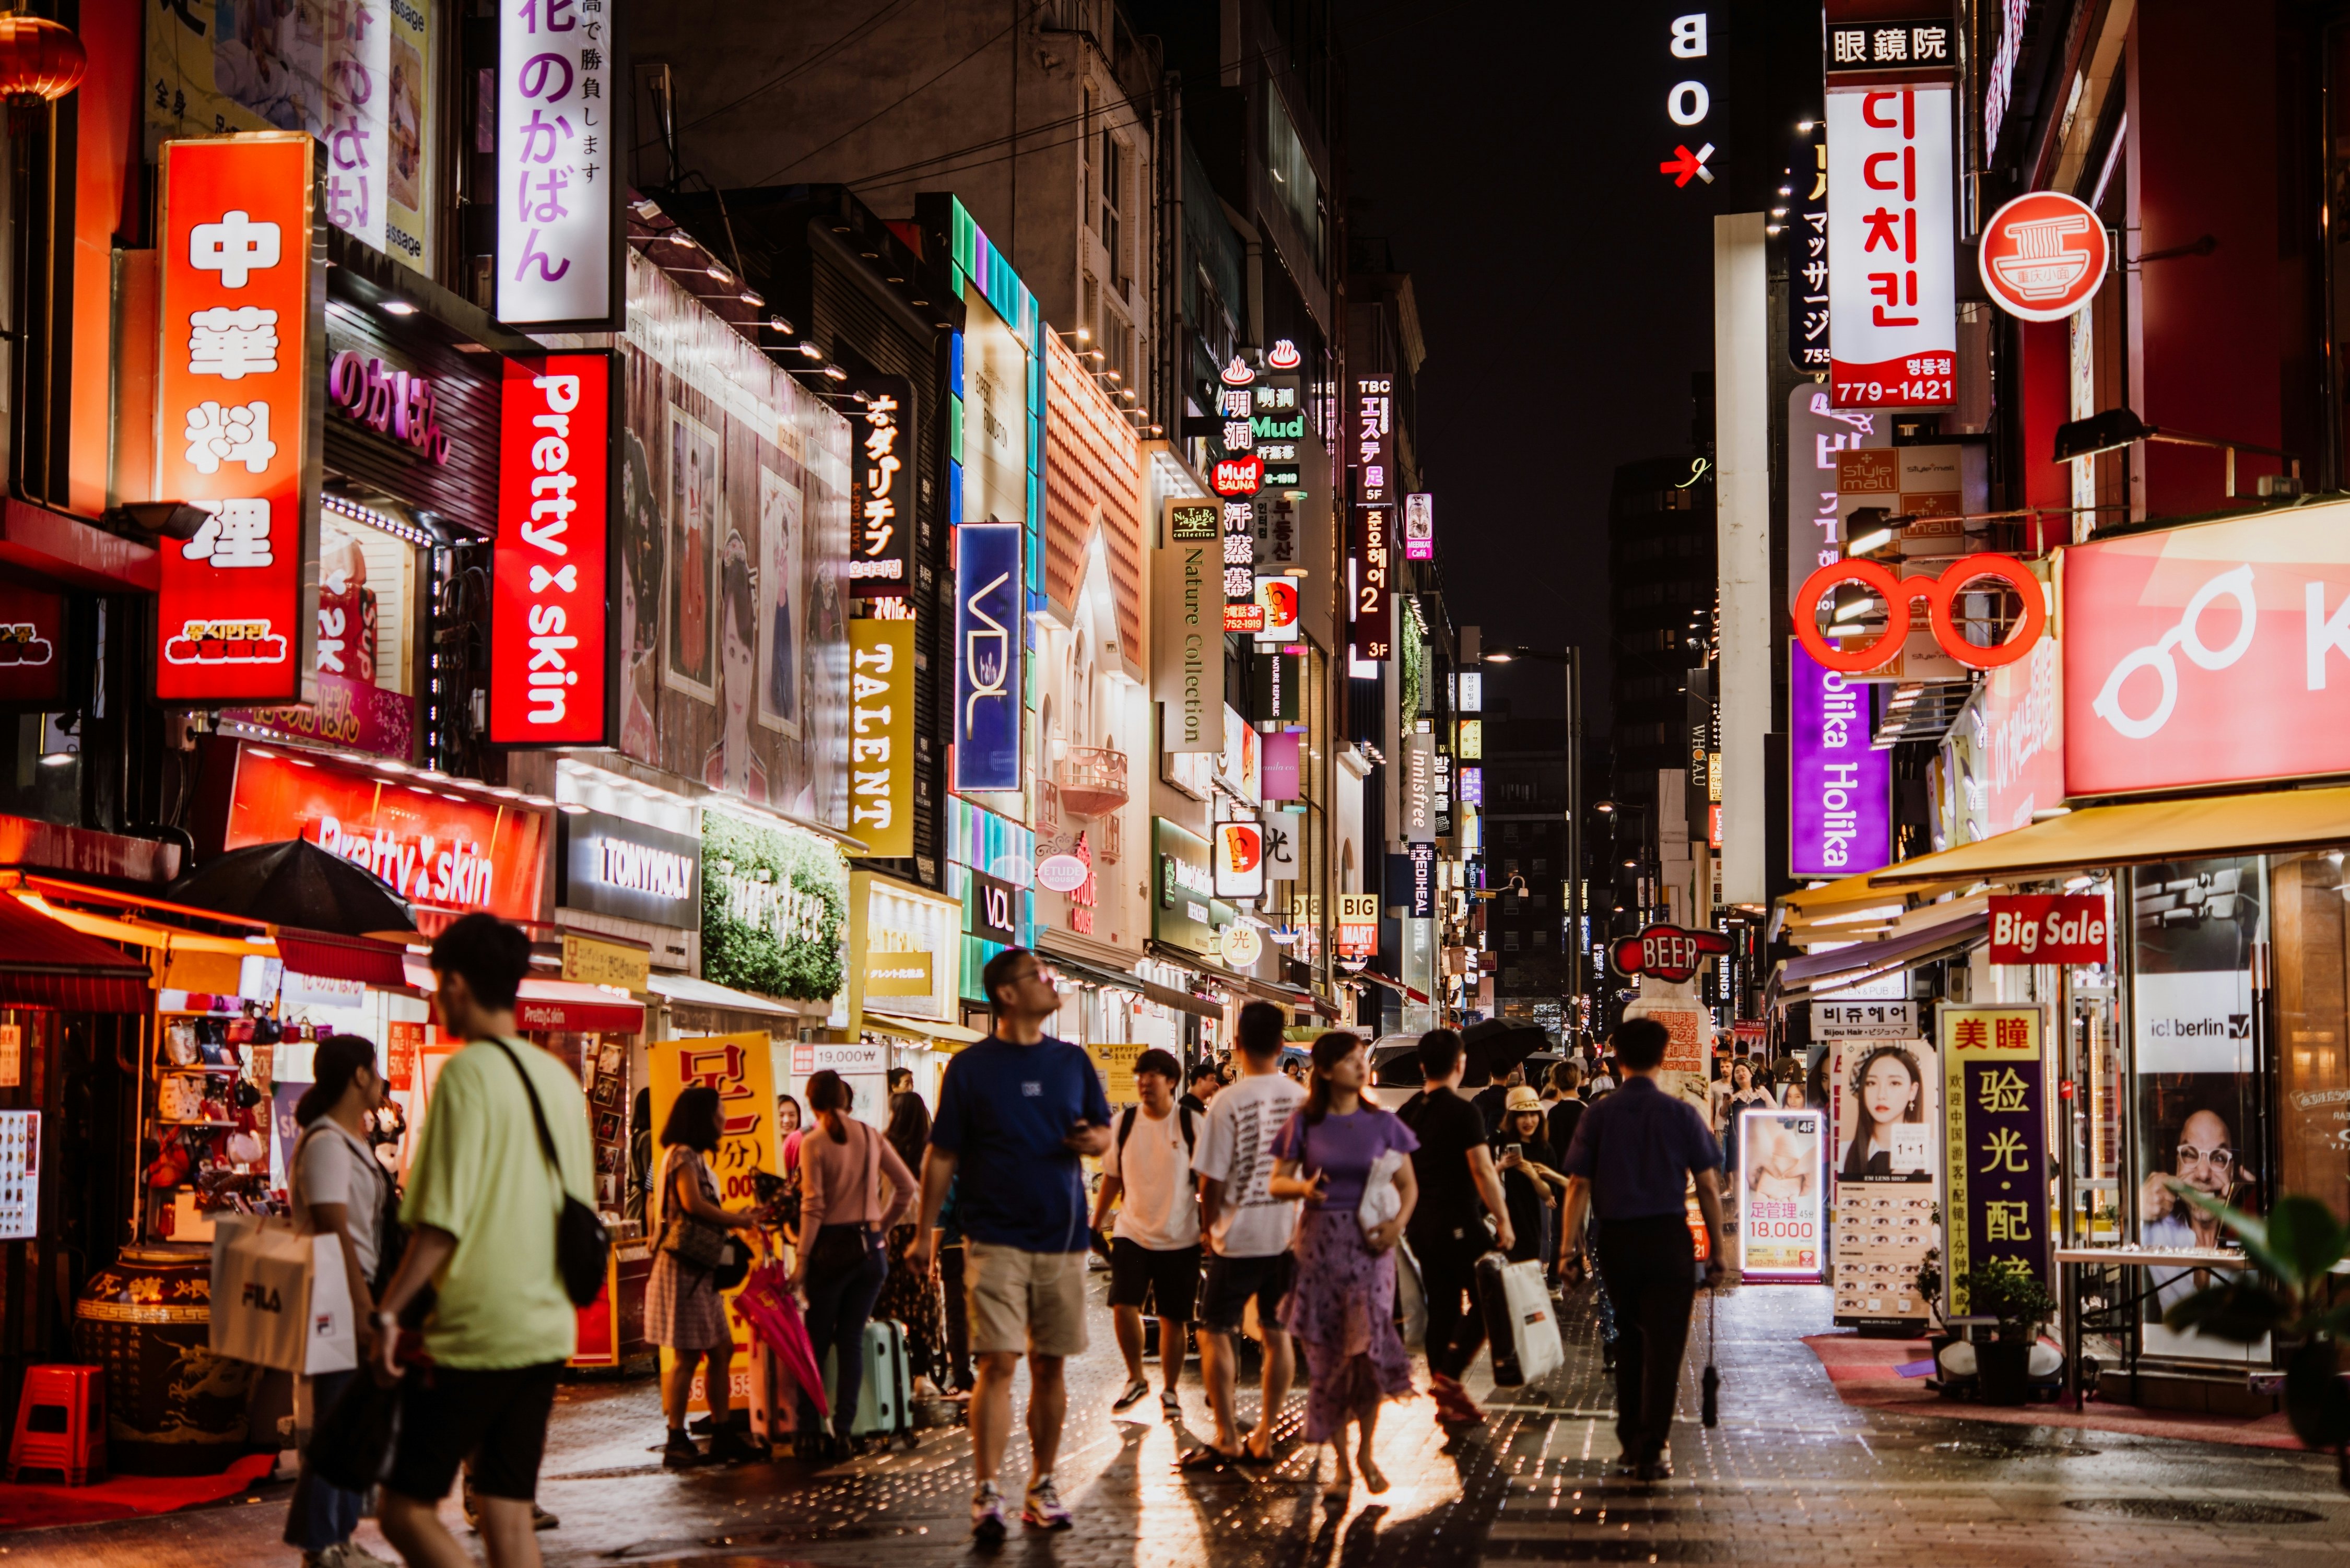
x=1803 y=242
x=1839 y=785
x=551 y=653
x=882 y=514
x=1892 y=289
x=2206 y=655
x=558 y=228
x=741 y=1068
x=2049 y=928
x=240 y=316
x=1371 y=453
x=1995 y=1141
x=990 y=633
x=881 y=735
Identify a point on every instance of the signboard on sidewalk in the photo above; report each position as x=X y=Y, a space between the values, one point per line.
x=1885 y=1094
x=740 y=1067
x=1780 y=1225
x=1995 y=1142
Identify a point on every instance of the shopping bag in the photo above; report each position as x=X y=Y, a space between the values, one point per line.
x=280 y=1298
x=1521 y=1324
x=352 y=1441
x=1411 y=1296
x=331 y=1326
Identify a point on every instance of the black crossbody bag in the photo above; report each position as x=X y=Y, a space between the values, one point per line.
x=582 y=1246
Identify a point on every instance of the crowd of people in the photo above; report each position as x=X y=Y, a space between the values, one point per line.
x=1271 y=1194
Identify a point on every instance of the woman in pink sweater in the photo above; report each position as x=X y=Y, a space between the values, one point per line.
x=842 y=1262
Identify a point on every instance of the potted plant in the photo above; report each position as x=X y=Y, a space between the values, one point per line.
x=2007 y=1288
x=2289 y=1293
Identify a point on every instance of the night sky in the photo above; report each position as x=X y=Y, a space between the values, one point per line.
x=1564 y=294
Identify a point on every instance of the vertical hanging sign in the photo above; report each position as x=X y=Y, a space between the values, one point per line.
x=357 y=132
x=1996 y=1152
x=1186 y=634
x=558 y=207
x=551 y=654
x=881 y=735
x=882 y=517
x=1804 y=243
x=1892 y=254
x=988 y=636
x=1372 y=571
x=240 y=300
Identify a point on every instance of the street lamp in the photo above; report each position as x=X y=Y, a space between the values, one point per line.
x=1573 y=658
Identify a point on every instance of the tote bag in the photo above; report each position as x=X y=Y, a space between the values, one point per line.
x=280 y=1297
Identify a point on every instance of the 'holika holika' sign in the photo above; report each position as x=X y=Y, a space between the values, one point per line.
x=1995 y=1153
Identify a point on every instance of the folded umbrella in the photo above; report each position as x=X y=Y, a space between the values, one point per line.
x=766 y=1306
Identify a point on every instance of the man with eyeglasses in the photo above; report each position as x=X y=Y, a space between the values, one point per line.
x=2206 y=1160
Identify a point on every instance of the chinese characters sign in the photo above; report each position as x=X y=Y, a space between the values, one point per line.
x=1995 y=1143
x=550 y=652
x=1907 y=47
x=881 y=519
x=989 y=633
x=1839 y=786
x=1892 y=308
x=237 y=330
x=555 y=190
x=881 y=735
x=740 y=1067
x=1371 y=452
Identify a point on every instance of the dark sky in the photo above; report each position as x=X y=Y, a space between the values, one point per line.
x=1509 y=154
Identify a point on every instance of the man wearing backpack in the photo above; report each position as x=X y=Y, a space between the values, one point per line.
x=483 y=1196
x=1155 y=1253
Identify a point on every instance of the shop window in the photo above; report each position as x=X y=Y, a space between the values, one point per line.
x=40 y=767
x=2313 y=1041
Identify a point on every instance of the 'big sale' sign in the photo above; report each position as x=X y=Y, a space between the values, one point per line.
x=2049 y=928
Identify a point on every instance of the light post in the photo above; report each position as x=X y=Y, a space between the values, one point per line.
x=1573 y=658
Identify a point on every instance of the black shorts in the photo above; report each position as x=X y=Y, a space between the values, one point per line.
x=497 y=1418
x=1232 y=1281
x=1169 y=1279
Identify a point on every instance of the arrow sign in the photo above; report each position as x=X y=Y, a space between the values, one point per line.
x=1671 y=953
x=1685 y=165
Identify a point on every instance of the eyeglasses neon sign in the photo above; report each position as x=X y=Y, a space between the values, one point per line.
x=1938 y=594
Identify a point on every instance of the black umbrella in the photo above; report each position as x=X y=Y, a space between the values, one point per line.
x=296 y=883
x=1491 y=1047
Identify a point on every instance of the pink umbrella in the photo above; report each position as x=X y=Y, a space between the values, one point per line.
x=767 y=1307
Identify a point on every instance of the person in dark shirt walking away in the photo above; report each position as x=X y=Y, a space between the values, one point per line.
x=1015 y=1113
x=1458 y=1187
x=1634 y=1157
x=1560 y=1118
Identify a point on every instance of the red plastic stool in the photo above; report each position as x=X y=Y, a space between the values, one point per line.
x=61 y=1424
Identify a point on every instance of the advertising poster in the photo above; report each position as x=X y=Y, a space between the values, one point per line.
x=740 y=1067
x=2195 y=925
x=1779 y=1195
x=734 y=539
x=1995 y=1127
x=1886 y=1093
x=882 y=736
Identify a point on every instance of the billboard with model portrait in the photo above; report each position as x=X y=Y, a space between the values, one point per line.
x=732 y=608
x=2194 y=925
x=1887 y=1109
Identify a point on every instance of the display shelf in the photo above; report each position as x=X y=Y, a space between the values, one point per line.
x=168 y=1069
x=168 y=1122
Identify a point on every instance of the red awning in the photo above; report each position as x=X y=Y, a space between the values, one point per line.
x=557 y=1006
x=43 y=963
x=332 y=957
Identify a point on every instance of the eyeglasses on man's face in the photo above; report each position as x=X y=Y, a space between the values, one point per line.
x=2221 y=1158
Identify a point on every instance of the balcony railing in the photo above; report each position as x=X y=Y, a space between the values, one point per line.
x=1092 y=781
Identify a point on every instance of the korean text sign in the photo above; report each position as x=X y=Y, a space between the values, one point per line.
x=988 y=633
x=556 y=225
x=2049 y=928
x=1839 y=787
x=240 y=311
x=740 y=1067
x=2208 y=655
x=551 y=653
x=1371 y=452
x=1995 y=1144
x=881 y=515
x=881 y=735
x=1892 y=255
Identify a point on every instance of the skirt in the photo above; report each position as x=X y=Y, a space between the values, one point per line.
x=1342 y=1309
x=683 y=1309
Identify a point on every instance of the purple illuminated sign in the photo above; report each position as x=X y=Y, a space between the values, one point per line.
x=1839 y=789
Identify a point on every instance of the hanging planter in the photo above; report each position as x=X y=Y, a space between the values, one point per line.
x=40 y=62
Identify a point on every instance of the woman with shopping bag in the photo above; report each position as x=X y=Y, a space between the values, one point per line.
x=684 y=1312
x=338 y=1188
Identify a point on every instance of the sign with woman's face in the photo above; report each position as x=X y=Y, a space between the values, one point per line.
x=692 y=554
x=1885 y=1110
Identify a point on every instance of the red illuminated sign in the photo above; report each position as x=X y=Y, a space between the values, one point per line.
x=2049 y=928
x=232 y=380
x=1669 y=952
x=2044 y=254
x=1938 y=593
x=550 y=647
x=440 y=848
x=1237 y=476
x=32 y=644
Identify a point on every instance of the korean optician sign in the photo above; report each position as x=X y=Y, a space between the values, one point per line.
x=2213 y=654
x=550 y=655
x=239 y=308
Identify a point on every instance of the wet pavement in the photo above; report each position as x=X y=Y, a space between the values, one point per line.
x=1791 y=1475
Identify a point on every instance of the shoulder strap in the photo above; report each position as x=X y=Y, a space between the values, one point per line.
x=1185 y=1111
x=1124 y=1129
x=546 y=1140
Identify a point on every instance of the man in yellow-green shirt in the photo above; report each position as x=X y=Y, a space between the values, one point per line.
x=481 y=1206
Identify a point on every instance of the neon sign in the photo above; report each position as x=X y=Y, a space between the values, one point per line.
x=1938 y=593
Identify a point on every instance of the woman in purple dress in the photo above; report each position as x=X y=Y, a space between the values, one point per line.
x=1342 y=1308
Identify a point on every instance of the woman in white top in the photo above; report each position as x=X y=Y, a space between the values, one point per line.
x=338 y=1188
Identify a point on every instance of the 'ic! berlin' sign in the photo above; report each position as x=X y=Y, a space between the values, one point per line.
x=1938 y=593
x=1669 y=952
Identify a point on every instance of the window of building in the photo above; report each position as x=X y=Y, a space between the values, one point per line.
x=1509 y=941
x=1113 y=206
x=1294 y=185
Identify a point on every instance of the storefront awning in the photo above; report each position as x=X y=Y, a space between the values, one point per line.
x=690 y=993
x=1150 y=989
x=1864 y=961
x=331 y=957
x=1270 y=991
x=922 y=1028
x=2139 y=832
x=1848 y=900
x=46 y=964
x=563 y=1006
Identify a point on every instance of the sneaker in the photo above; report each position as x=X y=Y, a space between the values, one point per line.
x=727 y=1449
x=352 y=1555
x=679 y=1454
x=539 y=1520
x=1660 y=1468
x=1133 y=1394
x=1042 y=1509
x=987 y=1526
x=1172 y=1404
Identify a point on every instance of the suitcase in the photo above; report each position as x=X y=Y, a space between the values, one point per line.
x=775 y=1395
x=884 y=1403
x=1521 y=1324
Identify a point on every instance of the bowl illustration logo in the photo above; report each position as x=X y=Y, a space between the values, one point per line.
x=2044 y=255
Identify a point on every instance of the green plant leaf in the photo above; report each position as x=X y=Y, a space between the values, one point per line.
x=2242 y=1311
x=2315 y=1400
x=2250 y=1229
x=2305 y=1238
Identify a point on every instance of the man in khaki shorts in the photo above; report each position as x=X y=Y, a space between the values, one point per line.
x=1015 y=1113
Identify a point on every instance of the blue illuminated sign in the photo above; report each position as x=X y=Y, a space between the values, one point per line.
x=989 y=632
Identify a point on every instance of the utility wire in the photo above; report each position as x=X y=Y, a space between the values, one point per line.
x=854 y=34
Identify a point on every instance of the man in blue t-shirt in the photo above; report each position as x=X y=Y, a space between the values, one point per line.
x=1015 y=1113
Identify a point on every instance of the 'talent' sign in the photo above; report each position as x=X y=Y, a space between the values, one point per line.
x=1839 y=787
x=1371 y=583
x=1892 y=257
x=559 y=232
x=550 y=652
x=881 y=735
x=880 y=522
x=988 y=630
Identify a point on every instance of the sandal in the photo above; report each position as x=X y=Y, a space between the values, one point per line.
x=1248 y=1456
x=1200 y=1457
